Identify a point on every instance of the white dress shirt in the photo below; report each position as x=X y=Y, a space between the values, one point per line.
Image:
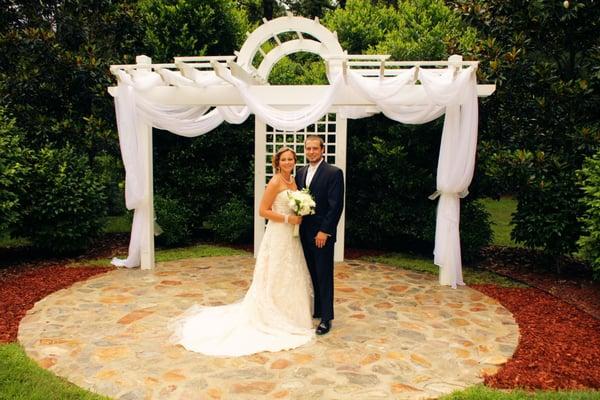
x=311 y=172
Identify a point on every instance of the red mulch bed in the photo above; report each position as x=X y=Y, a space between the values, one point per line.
x=19 y=291
x=559 y=346
x=573 y=284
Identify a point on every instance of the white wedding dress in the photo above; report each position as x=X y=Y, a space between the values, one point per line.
x=275 y=314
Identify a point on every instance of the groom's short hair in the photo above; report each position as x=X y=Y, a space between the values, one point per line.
x=315 y=137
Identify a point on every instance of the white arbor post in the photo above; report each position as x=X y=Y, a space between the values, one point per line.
x=340 y=162
x=260 y=155
x=144 y=134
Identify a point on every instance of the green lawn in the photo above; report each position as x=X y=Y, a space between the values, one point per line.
x=22 y=379
x=471 y=275
x=500 y=216
x=118 y=224
x=7 y=242
x=480 y=392
x=181 y=253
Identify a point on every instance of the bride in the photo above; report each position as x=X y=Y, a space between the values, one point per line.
x=275 y=314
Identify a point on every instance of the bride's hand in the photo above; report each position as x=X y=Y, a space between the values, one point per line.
x=295 y=219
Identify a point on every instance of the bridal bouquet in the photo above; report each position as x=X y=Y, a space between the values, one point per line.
x=301 y=203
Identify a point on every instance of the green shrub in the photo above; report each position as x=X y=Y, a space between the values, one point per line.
x=63 y=207
x=548 y=199
x=414 y=30
x=205 y=172
x=233 y=222
x=547 y=214
x=542 y=120
x=173 y=217
x=589 y=242
x=193 y=27
x=400 y=161
x=110 y=172
x=13 y=171
x=475 y=229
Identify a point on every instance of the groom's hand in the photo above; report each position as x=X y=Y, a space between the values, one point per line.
x=321 y=239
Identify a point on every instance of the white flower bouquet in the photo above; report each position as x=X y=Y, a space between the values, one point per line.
x=302 y=203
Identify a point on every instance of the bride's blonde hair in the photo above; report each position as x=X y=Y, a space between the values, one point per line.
x=277 y=157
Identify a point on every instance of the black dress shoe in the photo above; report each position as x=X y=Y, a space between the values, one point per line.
x=323 y=327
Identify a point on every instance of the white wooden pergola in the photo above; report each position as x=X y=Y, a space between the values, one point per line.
x=263 y=48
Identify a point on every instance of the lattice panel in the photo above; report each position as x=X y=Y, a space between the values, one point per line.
x=275 y=139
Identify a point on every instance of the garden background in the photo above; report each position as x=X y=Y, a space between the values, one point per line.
x=534 y=201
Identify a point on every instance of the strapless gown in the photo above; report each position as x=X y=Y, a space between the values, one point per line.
x=275 y=314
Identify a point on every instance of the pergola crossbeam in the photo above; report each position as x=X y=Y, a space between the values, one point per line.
x=297 y=95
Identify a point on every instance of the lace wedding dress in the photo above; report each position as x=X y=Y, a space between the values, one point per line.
x=275 y=314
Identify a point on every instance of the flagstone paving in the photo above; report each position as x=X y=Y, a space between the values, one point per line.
x=397 y=334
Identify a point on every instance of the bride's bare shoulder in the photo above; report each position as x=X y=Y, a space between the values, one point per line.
x=275 y=184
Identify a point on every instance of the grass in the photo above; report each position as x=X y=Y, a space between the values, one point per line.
x=471 y=276
x=118 y=224
x=480 y=392
x=23 y=379
x=181 y=253
x=500 y=215
x=8 y=242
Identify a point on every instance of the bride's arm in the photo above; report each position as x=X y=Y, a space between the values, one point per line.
x=266 y=203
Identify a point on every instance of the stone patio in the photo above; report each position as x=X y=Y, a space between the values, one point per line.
x=397 y=334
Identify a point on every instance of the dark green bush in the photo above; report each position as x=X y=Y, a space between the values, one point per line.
x=63 y=207
x=173 y=217
x=589 y=242
x=13 y=171
x=110 y=172
x=204 y=173
x=391 y=169
x=542 y=120
x=475 y=229
x=233 y=222
x=548 y=199
x=193 y=27
x=546 y=215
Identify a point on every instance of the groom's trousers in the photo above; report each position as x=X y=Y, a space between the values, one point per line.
x=320 y=266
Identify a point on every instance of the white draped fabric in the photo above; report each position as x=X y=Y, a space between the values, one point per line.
x=448 y=91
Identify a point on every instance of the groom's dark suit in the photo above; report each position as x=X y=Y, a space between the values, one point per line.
x=327 y=189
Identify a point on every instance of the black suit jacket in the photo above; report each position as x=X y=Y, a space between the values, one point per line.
x=327 y=189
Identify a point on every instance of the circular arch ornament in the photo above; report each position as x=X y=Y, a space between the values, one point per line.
x=320 y=41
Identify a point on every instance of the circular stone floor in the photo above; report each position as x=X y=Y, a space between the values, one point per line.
x=397 y=334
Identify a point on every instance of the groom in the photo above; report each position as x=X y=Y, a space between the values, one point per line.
x=318 y=231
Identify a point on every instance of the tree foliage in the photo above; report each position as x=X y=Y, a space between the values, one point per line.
x=13 y=171
x=589 y=179
x=415 y=30
x=536 y=130
x=309 y=8
x=64 y=207
x=192 y=28
x=54 y=71
x=542 y=121
x=201 y=173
